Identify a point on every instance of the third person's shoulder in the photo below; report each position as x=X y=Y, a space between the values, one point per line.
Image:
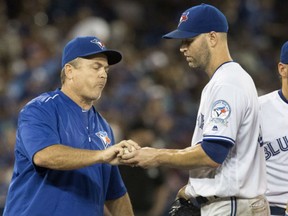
x=268 y=97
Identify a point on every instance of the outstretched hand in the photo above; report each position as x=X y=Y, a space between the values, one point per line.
x=112 y=155
x=143 y=157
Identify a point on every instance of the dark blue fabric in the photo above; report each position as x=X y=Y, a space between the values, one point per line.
x=217 y=150
x=282 y=96
x=50 y=119
x=199 y=19
x=277 y=210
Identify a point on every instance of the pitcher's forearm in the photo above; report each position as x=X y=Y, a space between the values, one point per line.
x=189 y=158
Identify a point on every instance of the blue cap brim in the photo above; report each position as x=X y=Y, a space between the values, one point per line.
x=179 y=34
x=113 y=57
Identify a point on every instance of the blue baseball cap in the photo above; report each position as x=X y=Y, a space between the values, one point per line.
x=199 y=19
x=284 y=53
x=87 y=46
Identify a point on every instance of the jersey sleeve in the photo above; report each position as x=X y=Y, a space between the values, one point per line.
x=226 y=109
x=116 y=187
x=37 y=129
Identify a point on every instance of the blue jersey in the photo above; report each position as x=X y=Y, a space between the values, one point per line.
x=53 y=118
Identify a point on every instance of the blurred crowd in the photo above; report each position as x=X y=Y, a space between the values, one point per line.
x=152 y=95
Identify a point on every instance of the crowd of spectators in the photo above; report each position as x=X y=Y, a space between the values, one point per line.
x=153 y=85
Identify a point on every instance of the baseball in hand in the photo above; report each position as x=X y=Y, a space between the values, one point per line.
x=126 y=150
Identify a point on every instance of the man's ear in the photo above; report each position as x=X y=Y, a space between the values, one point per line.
x=213 y=38
x=283 y=70
x=68 y=71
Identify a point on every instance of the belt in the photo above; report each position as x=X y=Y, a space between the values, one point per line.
x=277 y=210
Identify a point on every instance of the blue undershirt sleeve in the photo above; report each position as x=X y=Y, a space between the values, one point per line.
x=217 y=150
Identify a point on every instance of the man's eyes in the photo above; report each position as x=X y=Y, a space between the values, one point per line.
x=188 y=41
x=99 y=68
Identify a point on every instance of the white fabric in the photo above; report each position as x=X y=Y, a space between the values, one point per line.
x=274 y=126
x=257 y=206
x=229 y=111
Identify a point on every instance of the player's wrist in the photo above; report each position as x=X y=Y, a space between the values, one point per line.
x=162 y=157
x=100 y=156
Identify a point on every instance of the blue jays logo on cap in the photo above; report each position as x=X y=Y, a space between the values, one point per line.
x=199 y=19
x=99 y=43
x=85 y=46
x=183 y=18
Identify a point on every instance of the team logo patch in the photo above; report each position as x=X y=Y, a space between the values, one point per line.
x=99 y=43
x=183 y=18
x=104 y=138
x=220 y=112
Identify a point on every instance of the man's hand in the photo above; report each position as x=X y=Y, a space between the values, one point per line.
x=144 y=157
x=112 y=155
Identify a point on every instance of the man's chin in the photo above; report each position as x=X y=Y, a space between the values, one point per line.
x=98 y=97
x=94 y=98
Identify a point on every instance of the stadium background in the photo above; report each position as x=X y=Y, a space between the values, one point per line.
x=151 y=94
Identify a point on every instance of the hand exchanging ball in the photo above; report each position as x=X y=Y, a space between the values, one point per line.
x=126 y=150
x=129 y=150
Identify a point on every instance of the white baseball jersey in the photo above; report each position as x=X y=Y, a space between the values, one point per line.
x=229 y=111
x=274 y=126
